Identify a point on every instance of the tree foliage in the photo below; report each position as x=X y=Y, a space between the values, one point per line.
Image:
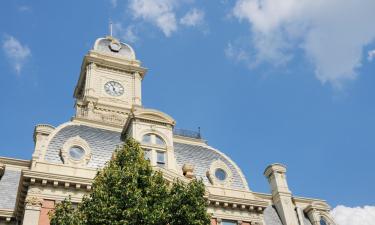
x=127 y=191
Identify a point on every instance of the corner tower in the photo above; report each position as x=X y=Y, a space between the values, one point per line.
x=109 y=84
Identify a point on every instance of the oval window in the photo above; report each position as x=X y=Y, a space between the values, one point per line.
x=220 y=174
x=76 y=152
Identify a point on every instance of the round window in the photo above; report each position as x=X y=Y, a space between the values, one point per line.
x=220 y=174
x=76 y=152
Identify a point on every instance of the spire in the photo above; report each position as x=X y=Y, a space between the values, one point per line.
x=110 y=28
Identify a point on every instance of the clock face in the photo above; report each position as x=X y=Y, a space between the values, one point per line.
x=114 y=88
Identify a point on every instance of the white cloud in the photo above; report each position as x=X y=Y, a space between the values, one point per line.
x=15 y=52
x=332 y=33
x=193 y=18
x=160 y=13
x=371 y=55
x=237 y=54
x=127 y=34
x=354 y=216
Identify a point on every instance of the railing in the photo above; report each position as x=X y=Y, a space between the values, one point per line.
x=188 y=133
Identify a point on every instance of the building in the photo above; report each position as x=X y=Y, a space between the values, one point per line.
x=108 y=109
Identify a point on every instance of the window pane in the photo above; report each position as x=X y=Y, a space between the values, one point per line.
x=147 y=154
x=322 y=222
x=76 y=152
x=146 y=139
x=160 y=159
x=227 y=222
x=159 y=140
x=220 y=174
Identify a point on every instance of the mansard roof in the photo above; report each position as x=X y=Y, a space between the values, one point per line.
x=103 y=142
x=8 y=188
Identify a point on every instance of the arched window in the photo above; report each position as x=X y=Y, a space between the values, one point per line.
x=323 y=222
x=153 y=139
x=154 y=148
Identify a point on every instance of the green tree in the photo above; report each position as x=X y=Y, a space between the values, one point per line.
x=127 y=191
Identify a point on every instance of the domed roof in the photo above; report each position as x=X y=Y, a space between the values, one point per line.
x=103 y=142
x=112 y=46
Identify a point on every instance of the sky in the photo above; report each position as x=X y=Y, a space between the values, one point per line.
x=267 y=81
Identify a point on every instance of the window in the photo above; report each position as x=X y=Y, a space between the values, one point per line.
x=147 y=153
x=323 y=222
x=220 y=174
x=146 y=139
x=229 y=222
x=154 y=148
x=159 y=141
x=153 y=139
x=160 y=158
x=76 y=152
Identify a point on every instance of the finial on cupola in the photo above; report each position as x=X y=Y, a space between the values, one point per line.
x=110 y=28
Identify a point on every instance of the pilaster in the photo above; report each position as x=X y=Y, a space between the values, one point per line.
x=33 y=206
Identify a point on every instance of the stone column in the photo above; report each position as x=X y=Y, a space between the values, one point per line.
x=31 y=215
x=281 y=195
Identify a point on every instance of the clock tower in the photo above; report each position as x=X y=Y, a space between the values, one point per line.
x=109 y=85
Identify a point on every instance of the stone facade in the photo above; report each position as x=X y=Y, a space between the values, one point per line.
x=108 y=110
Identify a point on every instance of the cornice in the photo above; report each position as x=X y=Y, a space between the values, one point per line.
x=33 y=177
x=235 y=202
x=299 y=199
x=8 y=214
x=97 y=124
x=109 y=61
x=15 y=162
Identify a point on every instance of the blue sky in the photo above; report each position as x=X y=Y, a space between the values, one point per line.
x=285 y=82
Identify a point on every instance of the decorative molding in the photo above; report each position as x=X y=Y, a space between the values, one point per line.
x=93 y=112
x=219 y=164
x=249 y=204
x=243 y=179
x=33 y=202
x=318 y=210
x=76 y=141
x=327 y=218
x=188 y=170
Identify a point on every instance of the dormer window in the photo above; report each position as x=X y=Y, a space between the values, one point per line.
x=155 y=149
